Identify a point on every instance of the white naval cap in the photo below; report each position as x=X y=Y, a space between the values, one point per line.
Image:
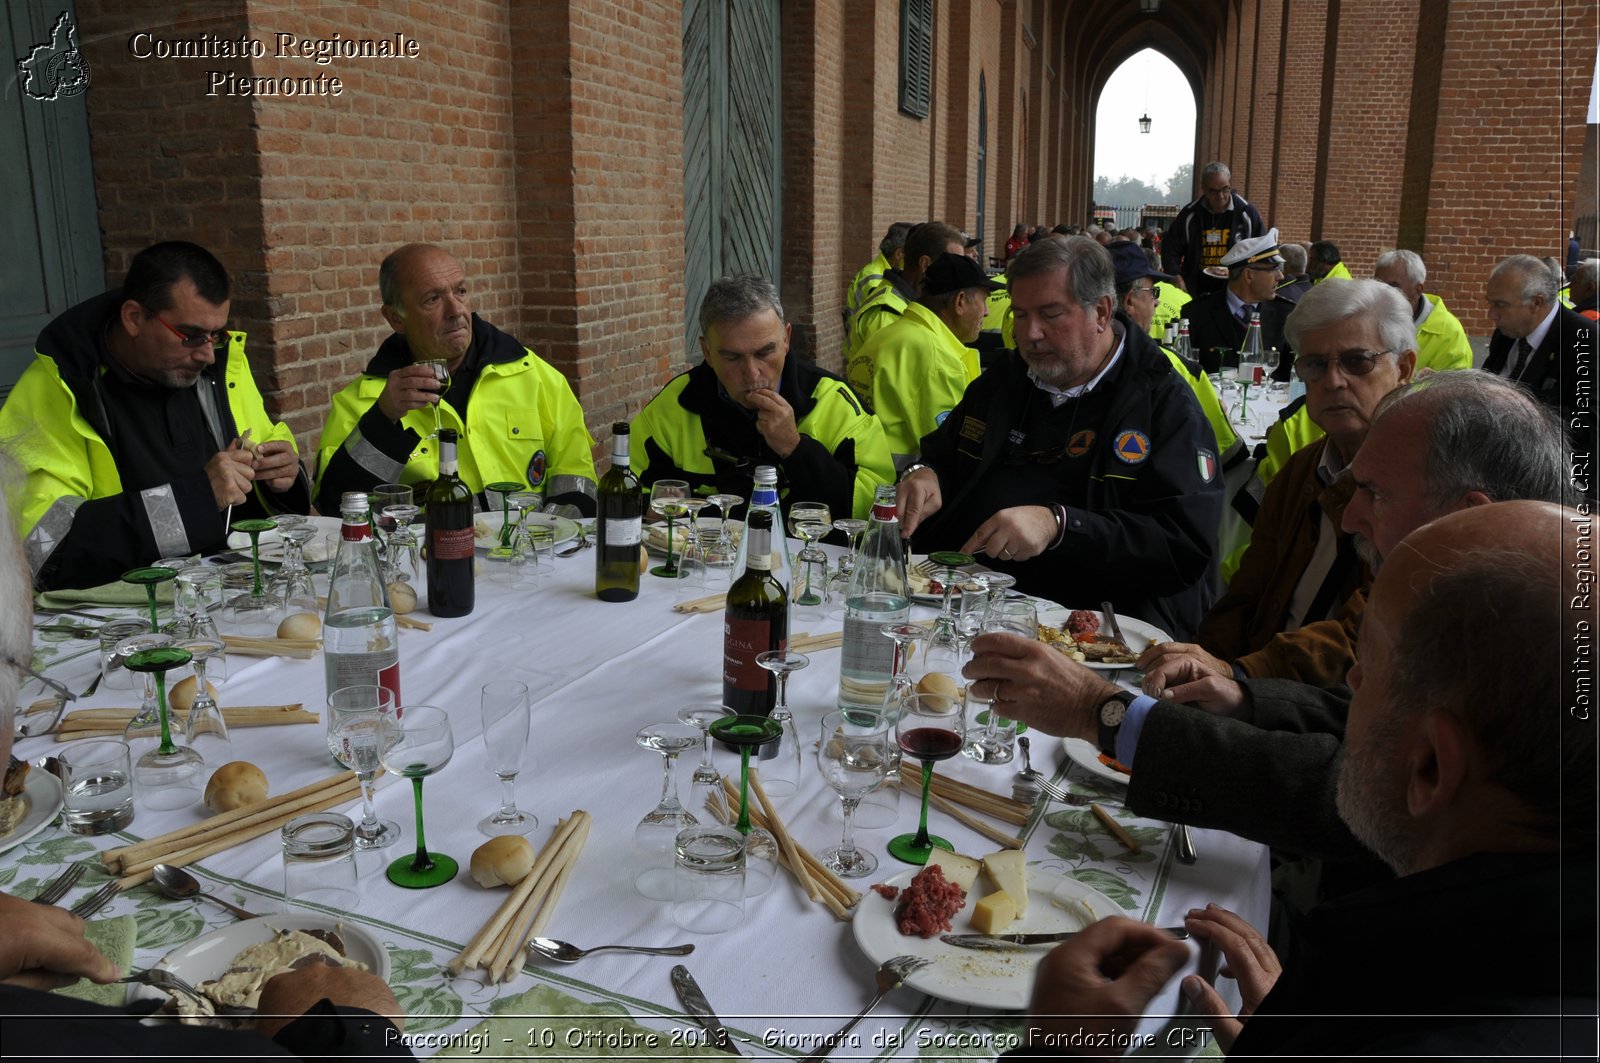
x=1256 y=249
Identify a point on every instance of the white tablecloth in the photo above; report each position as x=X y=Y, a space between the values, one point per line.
x=598 y=672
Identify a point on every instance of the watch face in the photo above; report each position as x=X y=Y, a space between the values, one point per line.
x=1112 y=712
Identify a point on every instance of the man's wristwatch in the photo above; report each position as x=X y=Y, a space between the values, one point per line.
x=909 y=469
x=1111 y=714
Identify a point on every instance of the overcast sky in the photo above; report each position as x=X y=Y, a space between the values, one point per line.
x=1147 y=82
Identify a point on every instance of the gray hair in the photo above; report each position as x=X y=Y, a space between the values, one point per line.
x=1339 y=299
x=1090 y=275
x=1537 y=280
x=895 y=238
x=736 y=298
x=1589 y=271
x=1212 y=169
x=1450 y=649
x=1410 y=264
x=1484 y=434
x=1294 y=259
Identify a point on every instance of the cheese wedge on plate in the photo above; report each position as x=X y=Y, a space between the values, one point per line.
x=1007 y=869
x=959 y=870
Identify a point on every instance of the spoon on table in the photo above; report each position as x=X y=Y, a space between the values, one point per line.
x=178 y=884
x=566 y=952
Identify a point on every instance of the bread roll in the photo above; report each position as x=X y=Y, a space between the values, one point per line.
x=234 y=785
x=941 y=687
x=402 y=597
x=502 y=861
x=300 y=626
x=181 y=697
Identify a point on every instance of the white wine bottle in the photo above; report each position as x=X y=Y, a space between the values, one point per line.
x=619 y=525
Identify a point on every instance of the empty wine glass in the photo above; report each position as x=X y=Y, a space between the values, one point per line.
x=745 y=733
x=292 y=582
x=780 y=774
x=195 y=594
x=505 y=489
x=403 y=561
x=851 y=528
x=356 y=740
x=706 y=784
x=854 y=759
x=725 y=504
x=148 y=578
x=667 y=498
x=985 y=743
x=931 y=728
x=255 y=612
x=205 y=730
x=168 y=776
x=440 y=368
x=146 y=723
x=657 y=832
x=413 y=747
x=384 y=524
x=504 y=705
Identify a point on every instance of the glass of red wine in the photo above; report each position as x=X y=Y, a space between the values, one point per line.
x=931 y=727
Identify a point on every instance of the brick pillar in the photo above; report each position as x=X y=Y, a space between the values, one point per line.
x=1302 y=117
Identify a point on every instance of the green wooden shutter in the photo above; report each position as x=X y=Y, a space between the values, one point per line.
x=916 y=57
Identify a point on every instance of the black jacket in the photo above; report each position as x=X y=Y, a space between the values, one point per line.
x=1553 y=374
x=1212 y=325
x=1142 y=534
x=1183 y=244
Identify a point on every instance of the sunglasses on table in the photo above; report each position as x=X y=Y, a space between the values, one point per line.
x=1309 y=367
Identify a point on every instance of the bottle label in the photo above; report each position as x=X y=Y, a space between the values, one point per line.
x=381 y=668
x=355 y=533
x=742 y=640
x=764 y=495
x=619 y=451
x=451 y=544
x=760 y=555
x=883 y=511
x=627 y=531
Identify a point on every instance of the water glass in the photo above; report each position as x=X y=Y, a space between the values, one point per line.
x=97 y=785
x=708 y=879
x=319 y=862
x=113 y=675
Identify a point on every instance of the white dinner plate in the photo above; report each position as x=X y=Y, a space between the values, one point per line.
x=208 y=956
x=1138 y=634
x=1086 y=755
x=655 y=536
x=927 y=598
x=315 y=550
x=486 y=528
x=981 y=978
x=43 y=792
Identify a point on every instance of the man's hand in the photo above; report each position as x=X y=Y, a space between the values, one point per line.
x=290 y=995
x=1248 y=959
x=775 y=421
x=276 y=465
x=1101 y=982
x=1183 y=678
x=43 y=947
x=917 y=498
x=1038 y=685
x=1163 y=657
x=411 y=387
x=231 y=475
x=1014 y=534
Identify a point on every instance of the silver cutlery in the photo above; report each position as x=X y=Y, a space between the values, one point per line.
x=566 y=952
x=699 y=1008
x=582 y=543
x=96 y=900
x=890 y=976
x=168 y=982
x=1186 y=850
x=1111 y=623
x=1016 y=941
x=64 y=882
x=1059 y=792
x=178 y=884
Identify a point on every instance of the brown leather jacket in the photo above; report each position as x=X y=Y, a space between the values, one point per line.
x=1246 y=625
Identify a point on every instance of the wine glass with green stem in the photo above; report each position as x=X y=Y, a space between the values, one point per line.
x=931 y=728
x=415 y=746
x=667 y=498
x=169 y=776
x=505 y=489
x=148 y=578
x=744 y=733
x=255 y=612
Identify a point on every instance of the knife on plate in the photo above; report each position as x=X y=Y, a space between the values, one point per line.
x=1015 y=941
x=1112 y=625
x=695 y=1003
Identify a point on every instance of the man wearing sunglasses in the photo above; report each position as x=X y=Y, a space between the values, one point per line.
x=1218 y=322
x=138 y=426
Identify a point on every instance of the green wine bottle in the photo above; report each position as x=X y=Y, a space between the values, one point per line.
x=619 y=525
x=756 y=620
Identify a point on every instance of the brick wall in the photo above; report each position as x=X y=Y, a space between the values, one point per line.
x=1302 y=116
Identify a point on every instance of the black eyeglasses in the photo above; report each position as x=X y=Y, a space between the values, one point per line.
x=51 y=684
x=1351 y=363
x=1155 y=293
x=193 y=337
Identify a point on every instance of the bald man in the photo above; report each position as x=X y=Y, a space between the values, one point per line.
x=515 y=416
x=1473 y=778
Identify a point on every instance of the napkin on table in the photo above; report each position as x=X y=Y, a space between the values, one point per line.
x=115 y=938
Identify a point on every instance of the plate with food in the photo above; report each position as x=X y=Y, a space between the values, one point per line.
x=929 y=589
x=314 y=552
x=231 y=964
x=655 y=536
x=33 y=805
x=997 y=978
x=1081 y=635
x=1088 y=757
x=486 y=528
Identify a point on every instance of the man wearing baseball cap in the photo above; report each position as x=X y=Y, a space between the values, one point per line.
x=1220 y=320
x=913 y=372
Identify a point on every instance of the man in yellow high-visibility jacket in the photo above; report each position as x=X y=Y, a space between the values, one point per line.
x=1325 y=262
x=515 y=415
x=911 y=373
x=138 y=427
x=924 y=243
x=1441 y=341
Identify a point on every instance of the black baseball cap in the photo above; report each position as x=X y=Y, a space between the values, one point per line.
x=951 y=272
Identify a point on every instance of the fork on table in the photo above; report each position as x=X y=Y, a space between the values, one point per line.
x=64 y=882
